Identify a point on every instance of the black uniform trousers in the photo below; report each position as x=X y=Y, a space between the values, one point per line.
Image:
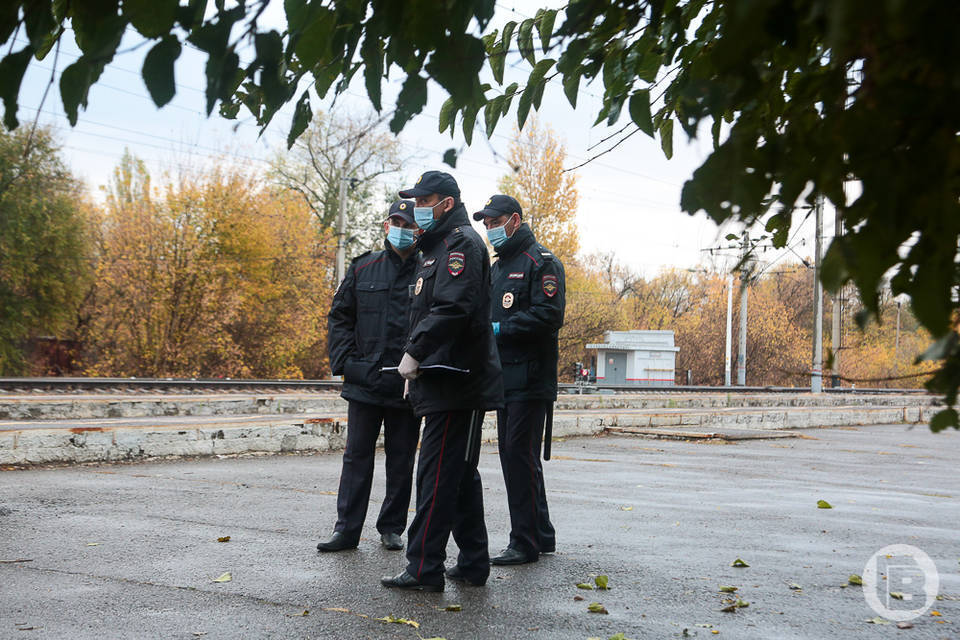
x=520 y=434
x=401 y=432
x=449 y=500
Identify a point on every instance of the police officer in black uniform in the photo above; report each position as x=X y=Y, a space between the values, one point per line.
x=367 y=331
x=527 y=302
x=453 y=370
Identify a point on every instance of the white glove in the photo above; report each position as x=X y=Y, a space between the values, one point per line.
x=406 y=389
x=409 y=368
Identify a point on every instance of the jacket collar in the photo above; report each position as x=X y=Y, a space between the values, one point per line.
x=456 y=217
x=517 y=243
x=395 y=257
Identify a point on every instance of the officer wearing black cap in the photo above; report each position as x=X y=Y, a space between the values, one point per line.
x=367 y=330
x=451 y=364
x=527 y=302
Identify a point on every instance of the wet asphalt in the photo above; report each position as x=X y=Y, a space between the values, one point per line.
x=131 y=551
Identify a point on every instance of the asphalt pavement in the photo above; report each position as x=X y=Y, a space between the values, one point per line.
x=132 y=551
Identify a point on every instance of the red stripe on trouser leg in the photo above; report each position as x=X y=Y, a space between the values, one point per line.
x=433 y=501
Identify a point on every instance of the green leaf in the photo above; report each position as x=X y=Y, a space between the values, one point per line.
x=450 y=157
x=372 y=53
x=158 y=69
x=152 y=18
x=596 y=607
x=448 y=113
x=525 y=41
x=75 y=82
x=943 y=419
x=666 y=137
x=225 y=577
x=12 y=68
x=508 y=95
x=602 y=582
x=586 y=586
x=571 y=87
x=491 y=114
x=739 y=563
x=453 y=607
x=534 y=87
x=302 y=116
x=942 y=348
x=410 y=102
x=855 y=580
x=823 y=504
x=640 y=111
x=314 y=43
x=727 y=589
x=469 y=121
x=498 y=57
x=545 y=27
x=9 y=18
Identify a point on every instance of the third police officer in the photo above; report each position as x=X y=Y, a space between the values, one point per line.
x=527 y=304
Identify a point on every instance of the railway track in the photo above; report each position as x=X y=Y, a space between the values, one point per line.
x=191 y=385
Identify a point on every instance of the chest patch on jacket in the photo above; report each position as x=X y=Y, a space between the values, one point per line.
x=429 y=262
x=507 y=300
x=456 y=263
x=419 y=287
x=550 y=286
x=517 y=275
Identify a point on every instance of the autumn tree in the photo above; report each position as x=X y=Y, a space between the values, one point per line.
x=210 y=274
x=46 y=244
x=547 y=194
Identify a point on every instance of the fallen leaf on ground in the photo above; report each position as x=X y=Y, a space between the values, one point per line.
x=453 y=607
x=93 y=544
x=596 y=607
x=340 y=609
x=305 y=612
x=602 y=582
x=224 y=539
x=878 y=620
x=933 y=613
x=727 y=589
x=626 y=508
x=704 y=625
x=395 y=620
x=199 y=633
x=823 y=504
x=585 y=585
x=618 y=636
x=578 y=598
x=739 y=563
x=795 y=586
x=855 y=579
x=224 y=578
x=904 y=625
x=896 y=595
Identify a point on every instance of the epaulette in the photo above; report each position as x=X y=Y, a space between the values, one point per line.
x=546 y=254
x=365 y=253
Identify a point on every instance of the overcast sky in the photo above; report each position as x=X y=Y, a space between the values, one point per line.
x=629 y=199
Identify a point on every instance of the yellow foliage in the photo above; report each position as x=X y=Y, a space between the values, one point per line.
x=547 y=195
x=212 y=275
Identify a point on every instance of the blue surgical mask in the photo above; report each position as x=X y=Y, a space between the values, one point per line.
x=497 y=236
x=424 y=216
x=399 y=237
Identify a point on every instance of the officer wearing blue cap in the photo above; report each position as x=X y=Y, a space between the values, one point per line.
x=366 y=332
x=527 y=303
x=453 y=370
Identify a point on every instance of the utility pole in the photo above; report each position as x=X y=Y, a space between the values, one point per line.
x=816 y=377
x=835 y=337
x=744 y=291
x=341 y=228
x=726 y=350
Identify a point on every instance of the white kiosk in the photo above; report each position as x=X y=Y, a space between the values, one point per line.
x=643 y=358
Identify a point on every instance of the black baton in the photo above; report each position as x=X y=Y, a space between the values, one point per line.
x=473 y=437
x=548 y=431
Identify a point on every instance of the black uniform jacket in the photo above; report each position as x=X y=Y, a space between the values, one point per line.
x=450 y=321
x=527 y=298
x=367 y=327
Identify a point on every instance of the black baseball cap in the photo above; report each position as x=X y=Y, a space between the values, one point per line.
x=497 y=206
x=402 y=209
x=433 y=182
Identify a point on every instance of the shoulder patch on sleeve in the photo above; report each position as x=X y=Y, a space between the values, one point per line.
x=456 y=262
x=550 y=285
